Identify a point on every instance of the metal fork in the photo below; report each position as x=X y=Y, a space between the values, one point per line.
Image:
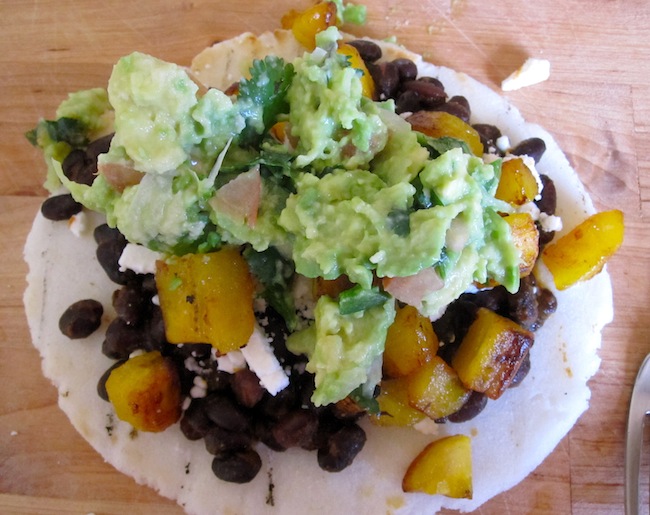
x=639 y=408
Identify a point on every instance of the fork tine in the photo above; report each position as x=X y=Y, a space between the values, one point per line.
x=639 y=408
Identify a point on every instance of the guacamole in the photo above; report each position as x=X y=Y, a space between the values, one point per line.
x=311 y=178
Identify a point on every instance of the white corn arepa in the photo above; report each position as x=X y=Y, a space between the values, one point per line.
x=510 y=438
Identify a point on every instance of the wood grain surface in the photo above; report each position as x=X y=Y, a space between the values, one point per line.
x=596 y=104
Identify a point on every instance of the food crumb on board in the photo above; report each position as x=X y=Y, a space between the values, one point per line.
x=533 y=71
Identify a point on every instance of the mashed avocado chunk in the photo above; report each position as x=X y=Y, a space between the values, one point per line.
x=335 y=124
x=344 y=351
x=84 y=116
x=160 y=122
x=353 y=223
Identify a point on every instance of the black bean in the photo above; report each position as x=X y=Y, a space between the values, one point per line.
x=472 y=407
x=148 y=284
x=408 y=102
x=296 y=429
x=237 y=467
x=60 y=207
x=547 y=305
x=101 y=384
x=386 y=78
x=99 y=146
x=341 y=448
x=155 y=329
x=522 y=371
x=78 y=167
x=432 y=80
x=264 y=432
x=452 y=326
x=223 y=411
x=495 y=299
x=489 y=134
x=406 y=68
x=277 y=406
x=217 y=380
x=548 y=202
x=130 y=304
x=368 y=50
x=195 y=424
x=522 y=305
x=219 y=440
x=532 y=147
x=458 y=106
x=545 y=237
x=431 y=95
x=198 y=351
x=105 y=233
x=108 y=254
x=122 y=339
x=81 y=319
x=246 y=387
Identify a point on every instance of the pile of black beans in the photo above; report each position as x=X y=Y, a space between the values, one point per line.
x=236 y=412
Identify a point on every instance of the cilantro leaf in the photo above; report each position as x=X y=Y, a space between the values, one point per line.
x=64 y=129
x=438 y=146
x=274 y=272
x=264 y=96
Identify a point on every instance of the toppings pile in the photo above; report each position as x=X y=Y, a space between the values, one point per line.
x=327 y=240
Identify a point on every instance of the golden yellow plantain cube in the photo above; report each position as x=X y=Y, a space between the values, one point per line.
x=438 y=124
x=491 y=353
x=582 y=253
x=145 y=392
x=444 y=467
x=517 y=184
x=367 y=83
x=394 y=408
x=207 y=298
x=436 y=390
x=306 y=24
x=410 y=342
x=525 y=236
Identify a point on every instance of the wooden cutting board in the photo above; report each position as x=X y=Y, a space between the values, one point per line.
x=596 y=104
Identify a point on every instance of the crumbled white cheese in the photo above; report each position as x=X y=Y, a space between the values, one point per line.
x=533 y=71
x=503 y=143
x=200 y=388
x=192 y=365
x=78 y=223
x=426 y=426
x=550 y=223
x=138 y=258
x=14 y=433
x=529 y=208
x=262 y=360
x=231 y=362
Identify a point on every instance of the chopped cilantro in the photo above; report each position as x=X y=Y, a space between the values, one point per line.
x=358 y=299
x=438 y=146
x=264 y=96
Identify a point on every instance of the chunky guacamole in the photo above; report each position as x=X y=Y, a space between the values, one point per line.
x=307 y=173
